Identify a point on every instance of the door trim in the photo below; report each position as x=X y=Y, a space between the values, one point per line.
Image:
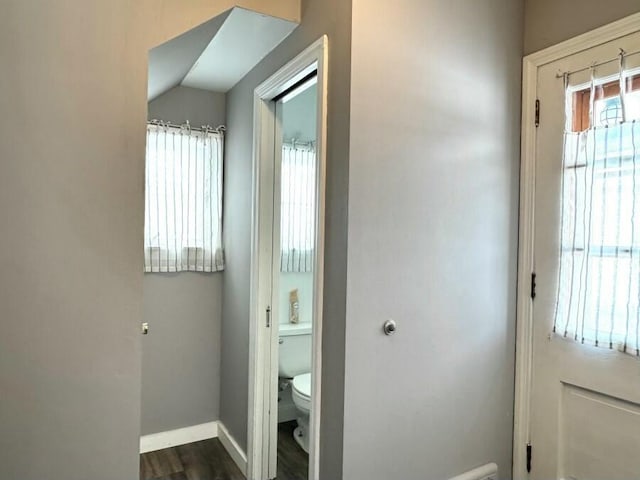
x=524 y=315
x=260 y=435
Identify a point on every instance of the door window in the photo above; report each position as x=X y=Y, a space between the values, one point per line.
x=598 y=297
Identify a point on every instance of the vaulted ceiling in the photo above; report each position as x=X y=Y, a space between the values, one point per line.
x=217 y=54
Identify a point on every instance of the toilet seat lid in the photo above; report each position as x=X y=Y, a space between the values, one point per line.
x=302 y=384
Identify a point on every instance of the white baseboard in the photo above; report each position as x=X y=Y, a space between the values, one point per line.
x=485 y=472
x=233 y=449
x=181 y=436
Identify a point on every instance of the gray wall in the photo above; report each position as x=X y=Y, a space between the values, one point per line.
x=181 y=354
x=433 y=199
x=331 y=17
x=548 y=22
x=180 y=104
x=298 y=116
x=71 y=209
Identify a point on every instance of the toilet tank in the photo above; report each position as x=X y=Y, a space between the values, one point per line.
x=294 y=350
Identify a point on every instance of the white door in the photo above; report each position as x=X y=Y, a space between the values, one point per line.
x=272 y=378
x=585 y=399
x=295 y=198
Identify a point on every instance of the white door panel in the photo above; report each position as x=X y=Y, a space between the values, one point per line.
x=598 y=448
x=585 y=400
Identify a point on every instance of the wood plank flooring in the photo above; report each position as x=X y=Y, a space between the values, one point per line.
x=208 y=460
x=293 y=462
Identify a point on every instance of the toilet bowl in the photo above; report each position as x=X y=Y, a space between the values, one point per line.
x=294 y=365
x=301 y=393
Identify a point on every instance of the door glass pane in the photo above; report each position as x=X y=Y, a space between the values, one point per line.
x=598 y=277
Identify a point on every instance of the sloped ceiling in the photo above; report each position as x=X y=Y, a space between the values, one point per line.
x=171 y=61
x=217 y=54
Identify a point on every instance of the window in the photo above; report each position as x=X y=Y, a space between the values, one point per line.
x=183 y=204
x=607 y=108
x=297 y=225
x=598 y=296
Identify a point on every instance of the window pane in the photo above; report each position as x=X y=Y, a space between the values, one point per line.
x=598 y=290
x=183 y=200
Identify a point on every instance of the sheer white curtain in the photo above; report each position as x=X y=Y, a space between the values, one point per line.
x=297 y=223
x=598 y=295
x=183 y=207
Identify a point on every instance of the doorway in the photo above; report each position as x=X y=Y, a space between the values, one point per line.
x=183 y=372
x=293 y=268
x=577 y=392
x=287 y=269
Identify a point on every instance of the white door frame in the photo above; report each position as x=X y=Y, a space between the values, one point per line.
x=524 y=335
x=262 y=386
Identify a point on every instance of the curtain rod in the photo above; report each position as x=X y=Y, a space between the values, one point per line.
x=594 y=65
x=297 y=143
x=187 y=126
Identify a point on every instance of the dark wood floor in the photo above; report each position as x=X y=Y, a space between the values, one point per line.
x=293 y=462
x=208 y=460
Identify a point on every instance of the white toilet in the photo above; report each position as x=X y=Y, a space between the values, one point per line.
x=301 y=393
x=294 y=364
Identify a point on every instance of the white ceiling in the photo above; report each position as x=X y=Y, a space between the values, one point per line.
x=217 y=54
